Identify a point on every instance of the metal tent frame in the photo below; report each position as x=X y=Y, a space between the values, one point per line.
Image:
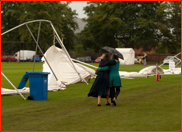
x=13 y=86
x=175 y=56
x=37 y=45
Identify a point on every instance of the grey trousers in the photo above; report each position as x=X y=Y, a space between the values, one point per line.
x=114 y=92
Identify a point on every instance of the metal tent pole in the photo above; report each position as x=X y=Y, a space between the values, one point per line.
x=24 y=24
x=36 y=46
x=13 y=85
x=53 y=38
x=178 y=63
x=42 y=53
x=171 y=58
x=62 y=45
x=40 y=20
x=84 y=63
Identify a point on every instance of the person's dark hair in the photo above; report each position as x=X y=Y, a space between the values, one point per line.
x=115 y=57
x=107 y=56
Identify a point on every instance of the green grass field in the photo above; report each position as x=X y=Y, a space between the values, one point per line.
x=143 y=105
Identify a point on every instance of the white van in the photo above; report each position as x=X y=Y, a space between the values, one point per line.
x=24 y=55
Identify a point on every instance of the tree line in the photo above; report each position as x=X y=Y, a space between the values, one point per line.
x=60 y=14
x=133 y=24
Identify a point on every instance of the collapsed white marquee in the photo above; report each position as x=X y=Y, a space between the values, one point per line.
x=60 y=82
x=63 y=69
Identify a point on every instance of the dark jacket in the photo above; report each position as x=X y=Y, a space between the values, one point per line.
x=146 y=57
x=101 y=82
x=114 y=77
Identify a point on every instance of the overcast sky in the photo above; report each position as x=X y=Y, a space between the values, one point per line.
x=78 y=6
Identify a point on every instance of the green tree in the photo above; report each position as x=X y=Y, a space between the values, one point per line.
x=129 y=23
x=60 y=14
x=78 y=52
x=10 y=11
x=169 y=25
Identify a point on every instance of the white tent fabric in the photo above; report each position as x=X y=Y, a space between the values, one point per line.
x=128 y=54
x=151 y=70
x=172 y=71
x=63 y=69
x=5 y=91
x=124 y=74
x=89 y=70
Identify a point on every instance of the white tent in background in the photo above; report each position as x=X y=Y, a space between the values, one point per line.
x=63 y=69
x=128 y=54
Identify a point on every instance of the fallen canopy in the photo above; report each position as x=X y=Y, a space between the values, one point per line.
x=63 y=69
x=151 y=70
x=5 y=91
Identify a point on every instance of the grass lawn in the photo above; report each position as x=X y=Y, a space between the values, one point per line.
x=143 y=105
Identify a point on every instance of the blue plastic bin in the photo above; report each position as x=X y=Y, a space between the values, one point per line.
x=38 y=83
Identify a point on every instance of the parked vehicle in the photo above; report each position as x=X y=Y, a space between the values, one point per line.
x=12 y=59
x=8 y=58
x=80 y=59
x=4 y=58
x=168 y=59
x=98 y=60
x=24 y=55
x=139 y=60
x=89 y=59
x=37 y=58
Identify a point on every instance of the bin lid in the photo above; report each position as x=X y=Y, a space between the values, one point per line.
x=38 y=73
x=26 y=77
x=23 y=81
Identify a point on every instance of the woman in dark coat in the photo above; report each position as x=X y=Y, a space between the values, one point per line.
x=100 y=86
x=114 y=78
